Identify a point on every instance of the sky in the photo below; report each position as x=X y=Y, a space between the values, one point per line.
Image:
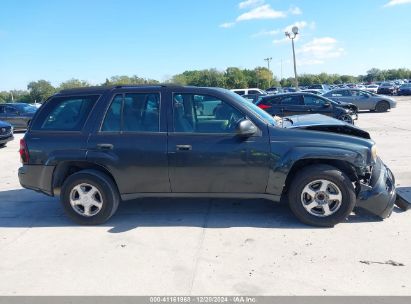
x=95 y=39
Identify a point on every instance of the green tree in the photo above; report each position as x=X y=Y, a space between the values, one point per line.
x=40 y=90
x=73 y=83
x=133 y=80
x=235 y=78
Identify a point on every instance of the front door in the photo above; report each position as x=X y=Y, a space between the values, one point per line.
x=131 y=145
x=319 y=105
x=206 y=155
x=362 y=99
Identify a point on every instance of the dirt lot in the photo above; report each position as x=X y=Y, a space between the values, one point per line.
x=163 y=246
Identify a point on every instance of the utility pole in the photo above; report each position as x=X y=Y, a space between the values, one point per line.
x=281 y=69
x=268 y=64
x=292 y=36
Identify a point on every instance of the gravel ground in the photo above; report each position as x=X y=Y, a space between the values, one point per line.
x=207 y=246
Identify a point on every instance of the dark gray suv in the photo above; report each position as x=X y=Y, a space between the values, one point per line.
x=94 y=147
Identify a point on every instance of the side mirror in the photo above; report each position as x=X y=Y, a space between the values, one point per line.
x=327 y=105
x=246 y=128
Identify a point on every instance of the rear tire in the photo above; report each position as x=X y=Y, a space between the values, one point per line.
x=89 y=197
x=382 y=106
x=328 y=186
x=2 y=145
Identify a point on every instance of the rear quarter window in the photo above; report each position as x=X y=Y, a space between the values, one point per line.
x=68 y=113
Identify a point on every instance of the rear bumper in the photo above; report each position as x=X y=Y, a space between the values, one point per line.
x=379 y=197
x=37 y=177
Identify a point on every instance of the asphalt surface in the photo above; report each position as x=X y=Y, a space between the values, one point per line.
x=207 y=246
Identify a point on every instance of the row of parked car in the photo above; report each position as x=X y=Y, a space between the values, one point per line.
x=343 y=104
x=14 y=116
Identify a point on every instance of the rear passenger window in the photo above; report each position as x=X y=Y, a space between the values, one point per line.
x=291 y=100
x=65 y=113
x=270 y=101
x=138 y=112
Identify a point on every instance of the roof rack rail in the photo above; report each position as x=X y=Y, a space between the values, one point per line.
x=112 y=87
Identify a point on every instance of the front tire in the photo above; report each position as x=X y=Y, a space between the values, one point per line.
x=89 y=197
x=321 y=195
x=346 y=118
x=382 y=106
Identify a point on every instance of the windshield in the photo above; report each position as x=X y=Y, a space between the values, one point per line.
x=259 y=112
x=316 y=87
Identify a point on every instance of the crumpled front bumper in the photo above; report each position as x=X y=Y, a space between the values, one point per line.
x=379 y=196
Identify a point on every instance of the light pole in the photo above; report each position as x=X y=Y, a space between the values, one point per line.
x=292 y=36
x=268 y=64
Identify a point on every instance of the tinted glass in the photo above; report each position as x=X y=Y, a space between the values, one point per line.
x=204 y=114
x=10 y=110
x=271 y=101
x=239 y=92
x=313 y=101
x=253 y=92
x=141 y=112
x=137 y=112
x=291 y=100
x=65 y=113
x=316 y=87
x=112 y=121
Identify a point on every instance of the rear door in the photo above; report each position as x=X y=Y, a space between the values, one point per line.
x=130 y=140
x=292 y=105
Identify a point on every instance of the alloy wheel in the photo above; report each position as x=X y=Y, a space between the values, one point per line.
x=321 y=198
x=86 y=200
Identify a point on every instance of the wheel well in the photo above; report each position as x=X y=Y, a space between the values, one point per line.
x=65 y=169
x=383 y=101
x=344 y=166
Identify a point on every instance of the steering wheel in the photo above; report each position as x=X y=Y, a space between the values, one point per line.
x=232 y=122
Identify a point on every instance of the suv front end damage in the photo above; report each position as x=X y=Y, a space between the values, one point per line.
x=378 y=195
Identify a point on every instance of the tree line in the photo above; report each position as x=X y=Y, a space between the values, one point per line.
x=231 y=78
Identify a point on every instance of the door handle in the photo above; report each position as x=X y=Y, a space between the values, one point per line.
x=184 y=147
x=105 y=146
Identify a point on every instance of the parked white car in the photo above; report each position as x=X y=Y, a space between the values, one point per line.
x=372 y=88
x=249 y=91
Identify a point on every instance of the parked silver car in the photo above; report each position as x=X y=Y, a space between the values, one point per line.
x=362 y=99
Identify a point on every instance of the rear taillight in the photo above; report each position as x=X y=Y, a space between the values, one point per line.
x=263 y=106
x=24 y=152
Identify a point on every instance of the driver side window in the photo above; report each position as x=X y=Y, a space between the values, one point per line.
x=204 y=114
x=313 y=101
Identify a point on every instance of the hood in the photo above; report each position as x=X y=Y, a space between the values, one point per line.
x=4 y=124
x=318 y=122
